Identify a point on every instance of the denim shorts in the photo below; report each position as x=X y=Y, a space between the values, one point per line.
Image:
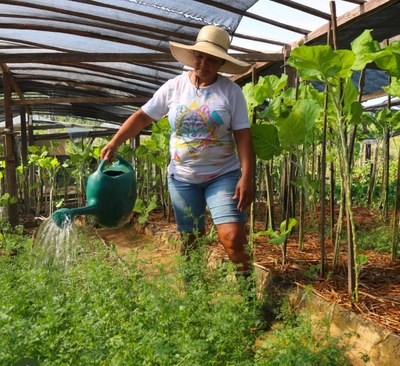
x=190 y=201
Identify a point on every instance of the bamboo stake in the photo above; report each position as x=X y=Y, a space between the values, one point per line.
x=372 y=181
x=395 y=241
x=270 y=220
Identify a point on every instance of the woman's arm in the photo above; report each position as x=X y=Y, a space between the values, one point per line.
x=244 y=189
x=130 y=128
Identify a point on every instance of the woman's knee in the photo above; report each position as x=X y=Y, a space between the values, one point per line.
x=232 y=236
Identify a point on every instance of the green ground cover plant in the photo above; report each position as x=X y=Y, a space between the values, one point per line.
x=378 y=239
x=104 y=311
x=301 y=343
x=107 y=310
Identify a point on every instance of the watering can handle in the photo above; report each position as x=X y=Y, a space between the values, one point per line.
x=120 y=159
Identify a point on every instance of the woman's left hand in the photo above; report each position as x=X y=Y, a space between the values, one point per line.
x=244 y=193
x=245 y=189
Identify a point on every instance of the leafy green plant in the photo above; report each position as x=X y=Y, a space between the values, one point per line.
x=306 y=343
x=144 y=210
x=152 y=156
x=12 y=240
x=6 y=199
x=47 y=167
x=377 y=239
x=81 y=163
x=334 y=69
x=105 y=311
x=313 y=271
x=278 y=237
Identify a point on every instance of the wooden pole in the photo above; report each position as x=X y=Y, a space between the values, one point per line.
x=252 y=206
x=24 y=158
x=11 y=178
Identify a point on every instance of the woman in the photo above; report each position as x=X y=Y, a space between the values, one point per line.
x=211 y=149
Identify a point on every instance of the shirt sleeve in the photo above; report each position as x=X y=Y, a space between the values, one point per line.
x=240 y=117
x=157 y=106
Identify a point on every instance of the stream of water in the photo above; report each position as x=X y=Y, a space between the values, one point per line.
x=56 y=244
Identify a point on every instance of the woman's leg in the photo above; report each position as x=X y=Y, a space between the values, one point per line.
x=189 y=208
x=229 y=221
x=233 y=238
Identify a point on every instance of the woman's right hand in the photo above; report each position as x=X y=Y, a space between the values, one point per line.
x=130 y=128
x=108 y=151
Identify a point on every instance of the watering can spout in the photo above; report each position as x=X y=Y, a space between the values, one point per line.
x=110 y=195
x=65 y=216
x=62 y=216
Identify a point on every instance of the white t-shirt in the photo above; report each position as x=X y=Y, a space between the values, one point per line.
x=202 y=146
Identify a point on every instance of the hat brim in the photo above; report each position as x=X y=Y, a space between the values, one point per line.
x=184 y=54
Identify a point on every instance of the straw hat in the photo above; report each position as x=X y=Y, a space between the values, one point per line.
x=213 y=41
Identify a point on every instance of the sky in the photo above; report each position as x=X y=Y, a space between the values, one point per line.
x=284 y=14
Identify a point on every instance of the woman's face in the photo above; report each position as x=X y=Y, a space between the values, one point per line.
x=206 y=66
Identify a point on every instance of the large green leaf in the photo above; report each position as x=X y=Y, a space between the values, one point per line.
x=354 y=113
x=394 y=88
x=364 y=48
x=382 y=117
x=265 y=141
x=395 y=120
x=297 y=128
x=350 y=93
x=347 y=59
x=315 y=62
x=389 y=59
x=250 y=96
x=352 y=108
x=273 y=111
x=266 y=88
x=308 y=91
x=269 y=86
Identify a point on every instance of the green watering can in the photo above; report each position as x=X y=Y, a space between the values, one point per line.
x=110 y=195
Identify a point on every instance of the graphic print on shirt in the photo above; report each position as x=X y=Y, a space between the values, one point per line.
x=196 y=130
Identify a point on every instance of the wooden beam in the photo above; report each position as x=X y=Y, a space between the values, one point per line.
x=66 y=136
x=76 y=57
x=56 y=126
x=359 y=2
x=17 y=89
x=80 y=100
x=377 y=94
x=143 y=58
x=364 y=10
x=258 y=57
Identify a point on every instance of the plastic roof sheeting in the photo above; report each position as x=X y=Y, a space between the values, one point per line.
x=114 y=27
x=114 y=54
